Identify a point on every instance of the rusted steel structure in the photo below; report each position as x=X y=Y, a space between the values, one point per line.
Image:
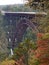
x=16 y=24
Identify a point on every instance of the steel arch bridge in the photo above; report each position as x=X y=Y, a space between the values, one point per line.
x=16 y=24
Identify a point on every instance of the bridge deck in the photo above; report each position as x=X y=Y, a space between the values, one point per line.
x=24 y=13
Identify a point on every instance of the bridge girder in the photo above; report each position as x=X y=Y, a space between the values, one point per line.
x=17 y=23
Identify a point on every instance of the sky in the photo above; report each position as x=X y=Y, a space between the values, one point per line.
x=7 y=2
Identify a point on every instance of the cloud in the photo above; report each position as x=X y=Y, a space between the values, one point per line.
x=7 y=2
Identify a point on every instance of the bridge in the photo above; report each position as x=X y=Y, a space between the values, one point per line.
x=16 y=24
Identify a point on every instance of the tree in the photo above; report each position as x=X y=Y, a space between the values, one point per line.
x=8 y=62
x=42 y=51
x=39 y=4
x=23 y=51
x=3 y=41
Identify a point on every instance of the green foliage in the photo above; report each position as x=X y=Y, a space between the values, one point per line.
x=3 y=41
x=3 y=56
x=2 y=32
x=39 y=5
x=42 y=21
x=24 y=50
x=17 y=8
x=29 y=35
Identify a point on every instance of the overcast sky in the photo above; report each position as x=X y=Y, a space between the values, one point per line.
x=7 y=2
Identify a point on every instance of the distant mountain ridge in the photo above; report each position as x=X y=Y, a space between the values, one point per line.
x=16 y=8
x=2 y=6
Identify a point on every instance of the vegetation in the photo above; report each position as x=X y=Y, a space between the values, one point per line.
x=34 y=49
x=8 y=62
x=42 y=51
x=3 y=41
x=22 y=52
x=39 y=4
x=3 y=38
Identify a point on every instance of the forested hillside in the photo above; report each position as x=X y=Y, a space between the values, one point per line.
x=3 y=40
x=34 y=49
x=41 y=5
x=16 y=8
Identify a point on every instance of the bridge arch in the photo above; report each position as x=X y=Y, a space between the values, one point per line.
x=21 y=27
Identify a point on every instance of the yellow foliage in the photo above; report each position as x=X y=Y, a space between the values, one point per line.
x=8 y=62
x=46 y=36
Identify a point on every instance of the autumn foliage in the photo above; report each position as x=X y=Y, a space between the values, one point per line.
x=40 y=55
x=7 y=62
x=42 y=51
x=37 y=56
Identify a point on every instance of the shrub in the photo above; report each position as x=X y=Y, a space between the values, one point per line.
x=7 y=62
x=42 y=51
